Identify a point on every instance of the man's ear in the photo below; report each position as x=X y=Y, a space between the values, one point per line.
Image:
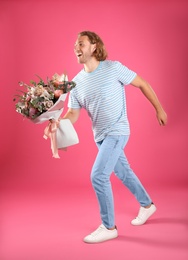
x=94 y=47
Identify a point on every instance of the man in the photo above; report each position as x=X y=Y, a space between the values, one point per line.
x=100 y=90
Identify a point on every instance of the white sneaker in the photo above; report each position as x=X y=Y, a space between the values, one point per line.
x=143 y=215
x=101 y=234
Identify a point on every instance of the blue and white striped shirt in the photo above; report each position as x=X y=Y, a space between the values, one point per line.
x=102 y=93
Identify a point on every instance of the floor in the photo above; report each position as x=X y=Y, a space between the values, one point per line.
x=49 y=224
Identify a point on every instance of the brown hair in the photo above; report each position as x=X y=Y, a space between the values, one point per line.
x=100 y=53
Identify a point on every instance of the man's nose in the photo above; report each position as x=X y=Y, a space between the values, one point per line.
x=76 y=48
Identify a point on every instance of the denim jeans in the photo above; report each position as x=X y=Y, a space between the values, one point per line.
x=111 y=158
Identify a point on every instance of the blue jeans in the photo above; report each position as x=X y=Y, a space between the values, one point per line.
x=111 y=158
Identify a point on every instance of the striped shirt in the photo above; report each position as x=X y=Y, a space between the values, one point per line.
x=102 y=93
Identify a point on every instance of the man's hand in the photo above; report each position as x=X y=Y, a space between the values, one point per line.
x=162 y=118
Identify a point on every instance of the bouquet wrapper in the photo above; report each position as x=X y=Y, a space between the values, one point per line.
x=66 y=134
x=61 y=133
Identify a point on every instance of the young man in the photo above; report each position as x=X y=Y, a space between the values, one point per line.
x=100 y=90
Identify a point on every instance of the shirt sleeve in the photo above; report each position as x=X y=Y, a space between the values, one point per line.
x=124 y=74
x=72 y=101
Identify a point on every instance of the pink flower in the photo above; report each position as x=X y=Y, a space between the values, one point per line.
x=32 y=111
x=57 y=93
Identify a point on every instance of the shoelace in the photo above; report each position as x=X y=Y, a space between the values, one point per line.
x=140 y=214
x=97 y=231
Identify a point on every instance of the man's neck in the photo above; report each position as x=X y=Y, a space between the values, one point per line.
x=91 y=66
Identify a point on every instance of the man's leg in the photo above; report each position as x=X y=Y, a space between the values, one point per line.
x=131 y=181
x=109 y=151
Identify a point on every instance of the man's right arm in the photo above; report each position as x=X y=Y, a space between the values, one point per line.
x=72 y=115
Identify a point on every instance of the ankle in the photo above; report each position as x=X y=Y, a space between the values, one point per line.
x=114 y=227
x=148 y=206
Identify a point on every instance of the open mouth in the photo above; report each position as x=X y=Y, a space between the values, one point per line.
x=79 y=55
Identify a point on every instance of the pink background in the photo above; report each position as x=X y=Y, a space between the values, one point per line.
x=37 y=37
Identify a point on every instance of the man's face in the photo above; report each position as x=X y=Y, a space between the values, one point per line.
x=84 y=49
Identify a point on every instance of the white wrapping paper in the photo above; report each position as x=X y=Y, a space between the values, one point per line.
x=65 y=132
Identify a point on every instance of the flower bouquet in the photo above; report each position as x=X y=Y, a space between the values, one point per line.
x=44 y=101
